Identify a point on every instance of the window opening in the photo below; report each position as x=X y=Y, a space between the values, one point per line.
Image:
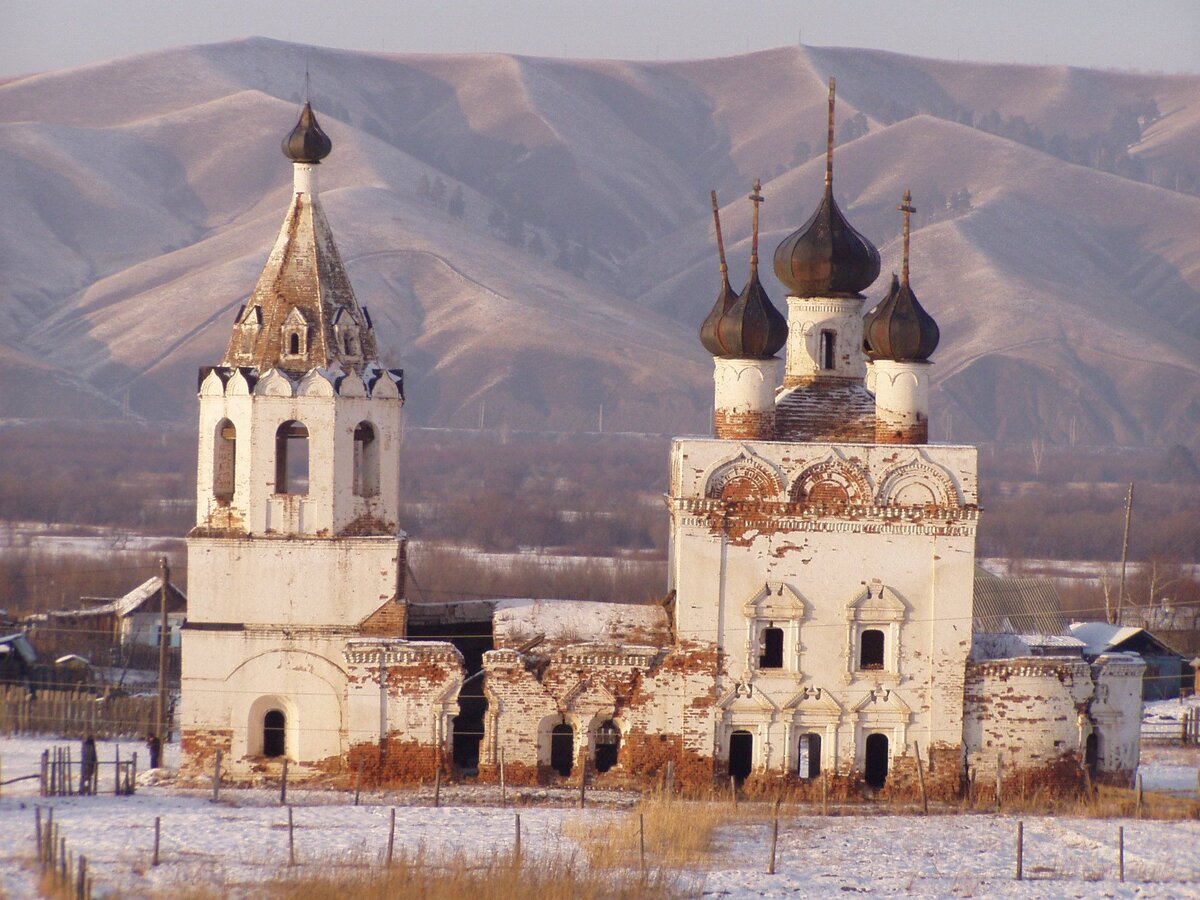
x=877 y=760
x=608 y=745
x=828 y=339
x=366 y=461
x=274 y=723
x=291 y=458
x=741 y=755
x=810 y=756
x=562 y=749
x=871 y=656
x=772 y=649
x=224 y=461
x=294 y=344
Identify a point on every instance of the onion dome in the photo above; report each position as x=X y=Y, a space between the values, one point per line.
x=709 y=335
x=751 y=327
x=307 y=143
x=826 y=256
x=899 y=328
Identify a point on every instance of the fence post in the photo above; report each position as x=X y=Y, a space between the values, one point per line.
x=43 y=782
x=517 y=846
x=1020 y=850
x=133 y=776
x=156 y=836
x=503 y=792
x=583 y=784
x=733 y=790
x=999 y=780
x=1138 y=812
x=437 y=787
x=1121 y=852
x=283 y=784
x=774 y=841
x=391 y=836
x=642 y=838
x=670 y=779
x=921 y=780
x=358 y=780
x=217 y=778
x=824 y=792
x=81 y=878
x=37 y=829
x=117 y=771
x=291 y=840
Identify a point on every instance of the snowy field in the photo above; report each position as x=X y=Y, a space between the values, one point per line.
x=243 y=839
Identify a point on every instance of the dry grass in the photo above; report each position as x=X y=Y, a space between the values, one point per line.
x=678 y=833
x=553 y=876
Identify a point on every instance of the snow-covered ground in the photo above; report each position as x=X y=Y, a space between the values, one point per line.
x=243 y=839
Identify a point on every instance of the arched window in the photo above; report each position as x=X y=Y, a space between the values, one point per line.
x=608 y=746
x=772 y=649
x=876 y=759
x=871 y=651
x=294 y=344
x=366 y=460
x=741 y=755
x=274 y=728
x=291 y=458
x=827 y=349
x=810 y=756
x=562 y=749
x=224 y=461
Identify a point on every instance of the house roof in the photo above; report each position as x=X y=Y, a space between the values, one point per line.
x=1101 y=637
x=1016 y=605
x=130 y=603
x=19 y=644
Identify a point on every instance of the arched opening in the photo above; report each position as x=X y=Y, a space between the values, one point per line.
x=608 y=745
x=871 y=650
x=876 y=760
x=562 y=749
x=366 y=460
x=810 y=756
x=828 y=349
x=772 y=649
x=294 y=344
x=1091 y=753
x=827 y=493
x=741 y=755
x=291 y=458
x=224 y=461
x=274 y=727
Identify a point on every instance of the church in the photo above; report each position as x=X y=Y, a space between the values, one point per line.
x=824 y=619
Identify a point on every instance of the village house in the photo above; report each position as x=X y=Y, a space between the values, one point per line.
x=819 y=618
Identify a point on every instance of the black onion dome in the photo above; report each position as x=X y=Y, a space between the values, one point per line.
x=826 y=257
x=709 y=329
x=307 y=143
x=752 y=328
x=899 y=328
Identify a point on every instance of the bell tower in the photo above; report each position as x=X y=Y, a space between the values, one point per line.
x=297 y=538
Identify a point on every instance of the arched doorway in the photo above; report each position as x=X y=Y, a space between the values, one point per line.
x=562 y=749
x=608 y=746
x=810 y=756
x=876 y=760
x=1091 y=753
x=274 y=727
x=741 y=755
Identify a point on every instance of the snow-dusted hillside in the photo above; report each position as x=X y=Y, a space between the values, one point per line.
x=142 y=196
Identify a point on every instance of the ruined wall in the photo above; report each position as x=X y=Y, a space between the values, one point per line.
x=401 y=699
x=1029 y=716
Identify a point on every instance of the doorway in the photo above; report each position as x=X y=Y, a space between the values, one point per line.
x=274 y=727
x=741 y=755
x=562 y=749
x=876 y=760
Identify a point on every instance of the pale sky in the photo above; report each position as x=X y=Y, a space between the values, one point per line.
x=1148 y=35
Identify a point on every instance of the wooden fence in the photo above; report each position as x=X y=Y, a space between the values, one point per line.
x=76 y=714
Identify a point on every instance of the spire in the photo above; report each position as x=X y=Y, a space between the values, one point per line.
x=899 y=328
x=751 y=327
x=826 y=257
x=303 y=313
x=709 y=335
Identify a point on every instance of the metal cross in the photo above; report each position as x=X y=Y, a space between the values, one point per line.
x=756 y=198
x=829 y=138
x=908 y=209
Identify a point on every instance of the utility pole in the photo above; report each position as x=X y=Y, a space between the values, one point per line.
x=1124 y=556
x=164 y=637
